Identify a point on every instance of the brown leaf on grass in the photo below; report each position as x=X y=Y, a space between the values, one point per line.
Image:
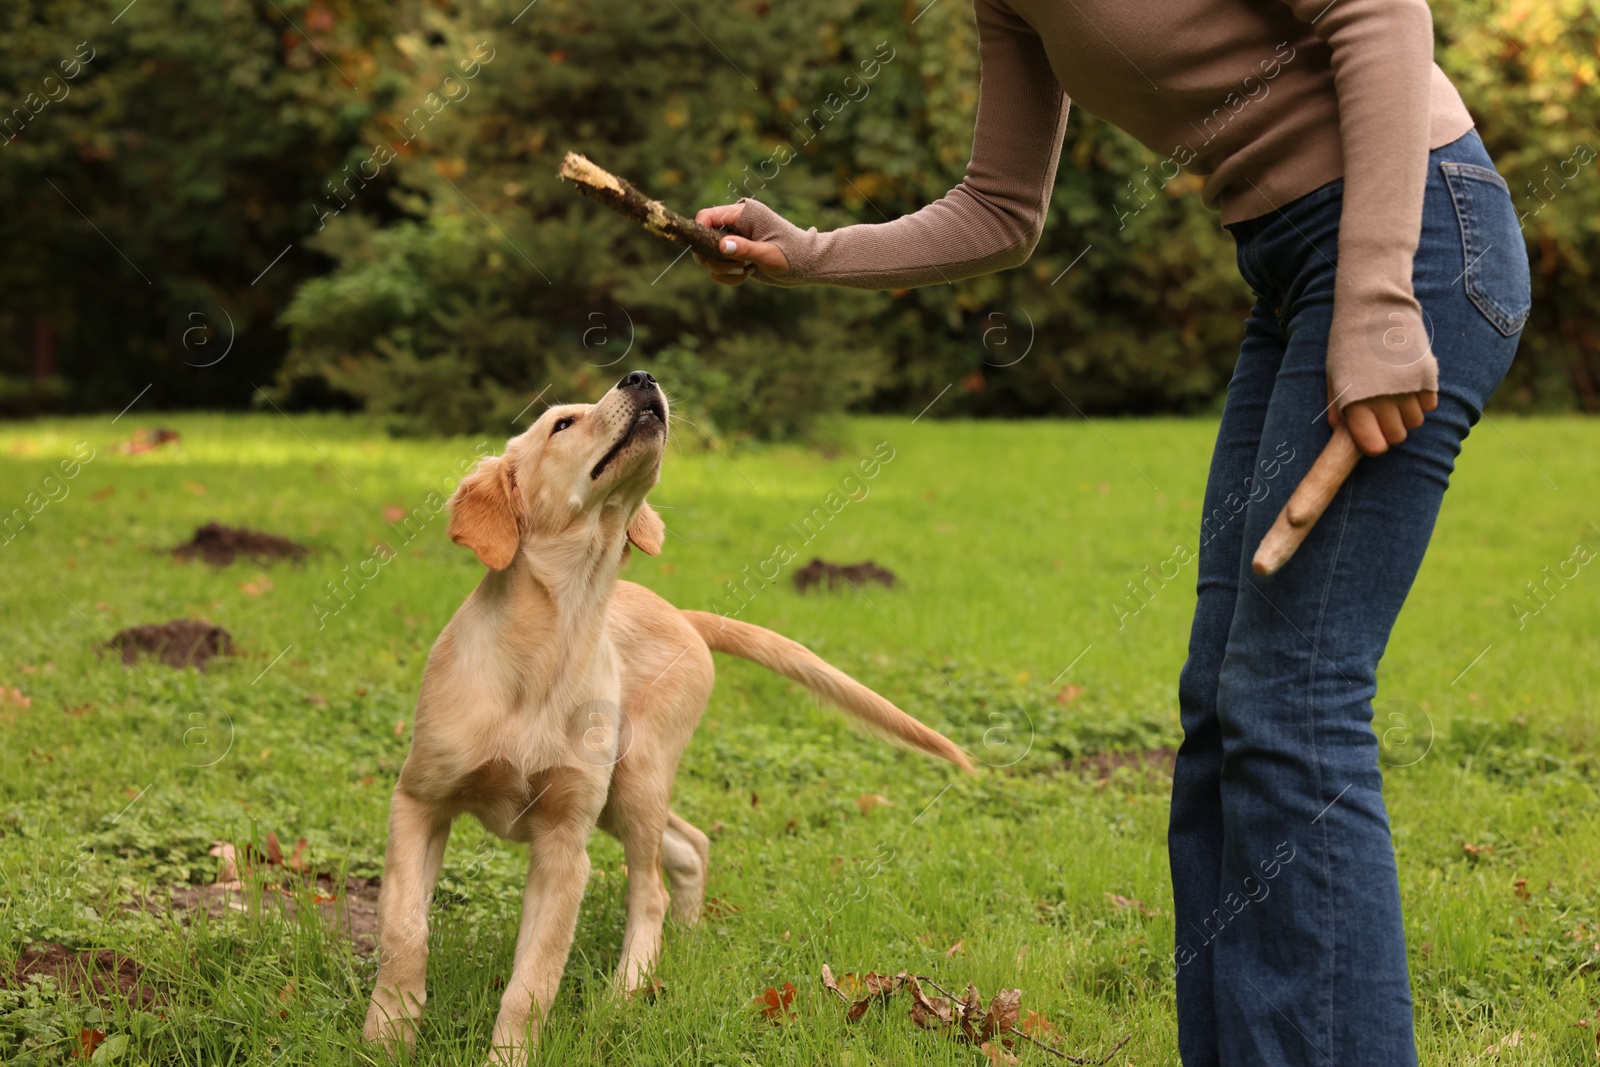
x=827 y=979
x=1477 y=850
x=256 y=586
x=1004 y=1010
x=1037 y=1026
x=858 y=1009
x=1123 y=903
x=882 y=984
x=1067 y=694
x=927 y=1011
x=973 y=1017
x=957 y=949
x=88 y=1041
x=717 y=908
x=998 y=1056
x=775 y=1005
x=867 y=801
x=274 y=850
x=1520 y=888
x=394 y=513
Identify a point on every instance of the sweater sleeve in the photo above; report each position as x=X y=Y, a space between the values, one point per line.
x=1382 y=57
x=990 y=222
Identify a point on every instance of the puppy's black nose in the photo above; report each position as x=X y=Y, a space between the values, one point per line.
x=638 y=380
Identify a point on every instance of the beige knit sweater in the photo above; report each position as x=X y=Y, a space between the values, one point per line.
x=1267 y=99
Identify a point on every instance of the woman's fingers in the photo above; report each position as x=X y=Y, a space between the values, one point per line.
x=1381 y=421
x=764 y=254
x=1411 y=411
x=1364 y=428
x=745 y=255
x=718 y=217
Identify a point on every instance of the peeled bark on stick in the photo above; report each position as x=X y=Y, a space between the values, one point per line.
x=1315 y=492
x=621 y=196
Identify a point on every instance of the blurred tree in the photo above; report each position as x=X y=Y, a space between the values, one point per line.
x=1529 y=72
x=399 y=160
x=145 y=204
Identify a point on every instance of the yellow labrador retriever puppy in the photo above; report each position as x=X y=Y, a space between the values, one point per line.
x=559 y=699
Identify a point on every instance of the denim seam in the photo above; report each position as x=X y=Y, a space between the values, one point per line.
x=1316 y=650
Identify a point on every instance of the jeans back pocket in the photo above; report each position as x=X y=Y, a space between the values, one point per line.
x=1494 y=258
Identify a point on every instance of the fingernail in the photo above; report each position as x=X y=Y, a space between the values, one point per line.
x=729 y=245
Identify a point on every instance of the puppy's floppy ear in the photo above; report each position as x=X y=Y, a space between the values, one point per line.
x=647 y=531
x=483 y=512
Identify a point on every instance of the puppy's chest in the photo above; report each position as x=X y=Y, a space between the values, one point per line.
x=523 y=763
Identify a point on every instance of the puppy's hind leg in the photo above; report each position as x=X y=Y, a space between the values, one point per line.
x=686 y=858
x=411 y=864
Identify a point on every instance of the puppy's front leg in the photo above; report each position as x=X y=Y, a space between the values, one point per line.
x=558 y=872
x=411 y=862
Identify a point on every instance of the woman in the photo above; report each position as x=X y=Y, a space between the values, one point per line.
x=1391 y=283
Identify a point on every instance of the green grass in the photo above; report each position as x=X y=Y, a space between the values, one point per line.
x=1012 y=542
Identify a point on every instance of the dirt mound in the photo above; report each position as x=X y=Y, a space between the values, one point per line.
x=820 y=571
x=220 y=545
x=179 y=643
x=106 y=972
x=144 y=440
x=352 y=913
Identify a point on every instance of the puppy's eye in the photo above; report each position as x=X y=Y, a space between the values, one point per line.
x=561 y=424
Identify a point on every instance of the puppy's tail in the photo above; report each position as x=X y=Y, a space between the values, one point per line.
x=794 y=661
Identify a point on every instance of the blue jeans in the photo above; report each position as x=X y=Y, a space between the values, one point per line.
x=1290 y=948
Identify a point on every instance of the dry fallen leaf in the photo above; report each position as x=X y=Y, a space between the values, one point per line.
x=775 y=1005
x=997 y=1055
x=1037 y=1026
x=717 y=908
x=1004 y=1010
x=867 y=801
x=256 y=586
x=88 y=1041
x=1068 y=693
x=957 y=949
x=1124 y=903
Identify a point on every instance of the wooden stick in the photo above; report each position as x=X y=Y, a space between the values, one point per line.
x=621 y=196
x=1315 y=492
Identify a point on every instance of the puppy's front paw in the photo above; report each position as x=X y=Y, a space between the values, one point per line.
x=515 y=1055
x=389 y=1023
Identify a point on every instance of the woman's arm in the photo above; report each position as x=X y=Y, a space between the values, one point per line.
x=989 y=222
x=1378 y=346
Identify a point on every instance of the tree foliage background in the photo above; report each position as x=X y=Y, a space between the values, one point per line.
x=354 y=203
